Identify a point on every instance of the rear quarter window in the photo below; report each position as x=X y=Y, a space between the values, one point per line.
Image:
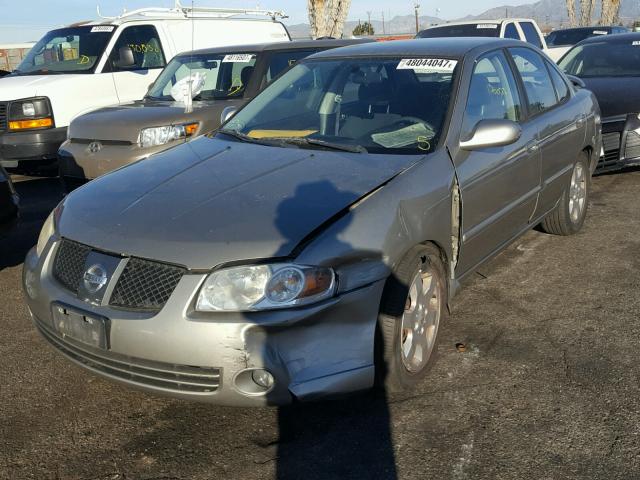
x=531 y=34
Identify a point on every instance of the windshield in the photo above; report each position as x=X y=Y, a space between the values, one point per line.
x=218 y=76
x=67 y=50
x=378 y=105
x=466 y=30
x=603 y=59
x=563 y=38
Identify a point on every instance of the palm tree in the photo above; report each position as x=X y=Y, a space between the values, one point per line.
x=610 y=12
x=327 y=17
x=571 y=10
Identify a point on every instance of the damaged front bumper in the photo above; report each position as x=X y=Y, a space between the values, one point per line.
x=310 y=352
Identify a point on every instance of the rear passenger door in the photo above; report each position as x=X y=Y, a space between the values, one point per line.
x=498 y=185
x=558 y=123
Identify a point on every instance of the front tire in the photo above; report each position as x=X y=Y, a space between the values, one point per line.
x=568 y=217
x=414 y=304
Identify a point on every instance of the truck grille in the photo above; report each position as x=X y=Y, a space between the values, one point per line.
x=143 y=284
x=3 y=116
x=158 y=375
x=632 y=147
x=611 y=145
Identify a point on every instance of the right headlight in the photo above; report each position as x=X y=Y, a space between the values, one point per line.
x=48 y=230
x=265 y=287
x=154 y=136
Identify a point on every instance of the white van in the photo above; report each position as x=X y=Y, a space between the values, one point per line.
x=83 y=67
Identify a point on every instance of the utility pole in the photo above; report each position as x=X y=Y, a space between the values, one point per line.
x=369 y=17
x=384 y=32
x=416 y=6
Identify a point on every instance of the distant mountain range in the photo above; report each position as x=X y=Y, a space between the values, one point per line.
x=552 y=13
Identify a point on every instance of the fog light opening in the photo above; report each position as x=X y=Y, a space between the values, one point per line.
x=254 y=381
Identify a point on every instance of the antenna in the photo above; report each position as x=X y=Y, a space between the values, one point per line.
x=189 y=103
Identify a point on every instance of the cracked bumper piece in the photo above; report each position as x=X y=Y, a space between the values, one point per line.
x=311 y=352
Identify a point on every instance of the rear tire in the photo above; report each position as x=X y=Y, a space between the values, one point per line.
x=568 y=216
x=414 y=304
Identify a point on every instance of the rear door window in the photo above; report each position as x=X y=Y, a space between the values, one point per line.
x=144 y=42
x=541 y=93
x=511 y=31
x=531 y=34
x=280 y=61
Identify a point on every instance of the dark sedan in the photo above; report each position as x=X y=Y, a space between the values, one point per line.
x=8 y=201
x=610 y=67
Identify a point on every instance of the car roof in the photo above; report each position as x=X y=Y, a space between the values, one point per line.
x=277 y=46
x=454 y=47
x=617 y=38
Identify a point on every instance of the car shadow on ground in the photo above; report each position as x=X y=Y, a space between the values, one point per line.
x=38 y=196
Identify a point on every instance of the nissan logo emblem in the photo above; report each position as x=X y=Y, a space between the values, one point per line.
x=95 y=278
x=95 y=147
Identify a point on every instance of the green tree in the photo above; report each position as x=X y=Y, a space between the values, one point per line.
x=363 y=29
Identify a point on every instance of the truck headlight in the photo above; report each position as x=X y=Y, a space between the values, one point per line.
x=154 y=136
x=30 y=114
x=265 y=287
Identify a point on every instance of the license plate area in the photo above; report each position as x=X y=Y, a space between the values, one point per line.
x=81 y=326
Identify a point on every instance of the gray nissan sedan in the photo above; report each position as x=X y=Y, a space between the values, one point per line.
x=311 y=246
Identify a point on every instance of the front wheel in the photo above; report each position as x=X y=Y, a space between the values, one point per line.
x=567 y=218
x=412 y=309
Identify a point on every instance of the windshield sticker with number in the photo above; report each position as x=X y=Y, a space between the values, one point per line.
x=427 y=65
x=487 y=25
x=238 y=58
x=600 y=32
x=102 y=28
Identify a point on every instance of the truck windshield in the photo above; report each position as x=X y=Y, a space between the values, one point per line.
x=206 y=76
x=67 y=50
x=464 y=30
x=603 y=59
x=376 y=105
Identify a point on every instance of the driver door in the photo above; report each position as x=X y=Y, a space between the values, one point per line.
x=133 y=81
x=498 y=185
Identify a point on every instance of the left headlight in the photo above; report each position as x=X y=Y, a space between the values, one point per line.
x=265 y=287
x=30 y=114
x=155 y=136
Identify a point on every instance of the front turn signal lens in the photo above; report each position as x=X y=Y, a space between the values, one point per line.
x=31 y=124
x=190 y=129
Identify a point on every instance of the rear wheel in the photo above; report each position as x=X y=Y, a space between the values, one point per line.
x=568 y=217
x=412 y=309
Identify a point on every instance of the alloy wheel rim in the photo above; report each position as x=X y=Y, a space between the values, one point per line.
x=420 y=321
x=577 y=193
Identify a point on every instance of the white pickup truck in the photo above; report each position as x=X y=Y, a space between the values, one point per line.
x=524 y=29
x=114 y=60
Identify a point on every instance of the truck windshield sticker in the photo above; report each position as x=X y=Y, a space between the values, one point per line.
x=487 y=25
x=102 y=28
x=427 y=65
x=600 y=32
x=238 y=58
x=637 y=42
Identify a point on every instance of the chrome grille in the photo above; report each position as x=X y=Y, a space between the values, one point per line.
x=611 y=145
x=159 y=375
x=3 y=116
x=632 y=147
x=69 y=264
x=145 y=285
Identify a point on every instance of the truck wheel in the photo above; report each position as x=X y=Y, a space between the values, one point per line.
x=567 y=218
x=413 y=306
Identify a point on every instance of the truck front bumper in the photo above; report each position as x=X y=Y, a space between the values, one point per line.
x=25 y=150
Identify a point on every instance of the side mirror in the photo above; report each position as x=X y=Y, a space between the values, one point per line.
x=227 y=113
x=125 y=58
x=577 y=82
x=492 y=133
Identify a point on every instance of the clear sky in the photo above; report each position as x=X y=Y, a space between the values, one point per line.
x=24 y=20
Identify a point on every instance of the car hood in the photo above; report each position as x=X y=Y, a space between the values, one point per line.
x=608 y=92
x=124 y=122
x=213 y=201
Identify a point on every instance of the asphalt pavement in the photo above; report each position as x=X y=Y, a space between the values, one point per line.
x=538 y=378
